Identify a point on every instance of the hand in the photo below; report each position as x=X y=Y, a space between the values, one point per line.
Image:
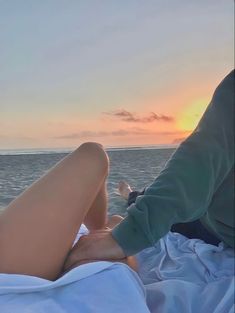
x=98 y=245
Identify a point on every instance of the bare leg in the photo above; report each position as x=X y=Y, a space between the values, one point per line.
x=130 y=261
x=38 y=228
x=96 y=217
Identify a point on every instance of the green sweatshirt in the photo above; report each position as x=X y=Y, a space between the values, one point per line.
x=196 y=183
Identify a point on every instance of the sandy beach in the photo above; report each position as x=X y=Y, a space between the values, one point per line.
x=138 y=166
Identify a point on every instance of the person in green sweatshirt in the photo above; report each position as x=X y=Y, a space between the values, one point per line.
x=192 y=230
x=196 y=189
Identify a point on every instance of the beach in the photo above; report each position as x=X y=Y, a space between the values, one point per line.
x=138 y=166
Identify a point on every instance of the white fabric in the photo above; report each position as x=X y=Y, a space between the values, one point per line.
x=178 y=275
x=100 y=287
x=188 y=276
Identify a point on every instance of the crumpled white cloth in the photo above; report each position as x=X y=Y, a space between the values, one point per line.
x=99 y=287
x=178 y=275
x=188 y=276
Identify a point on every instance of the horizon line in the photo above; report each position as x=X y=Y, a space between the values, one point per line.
x=18 y=151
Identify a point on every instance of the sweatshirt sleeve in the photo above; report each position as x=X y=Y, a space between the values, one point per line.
x=184 y=189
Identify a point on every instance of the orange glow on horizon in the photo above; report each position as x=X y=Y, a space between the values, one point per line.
x=189 y=117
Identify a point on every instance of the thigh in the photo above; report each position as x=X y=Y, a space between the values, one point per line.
x=38 y=228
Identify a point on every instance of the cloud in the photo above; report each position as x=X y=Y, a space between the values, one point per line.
x=93 y=134
x=133 y=131
x=127 y=116
x=82 y=134
x=12 y=137
x=178 y=140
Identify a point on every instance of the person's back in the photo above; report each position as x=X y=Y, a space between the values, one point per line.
x=197 y=185
x=197 y=182
x=219 y=217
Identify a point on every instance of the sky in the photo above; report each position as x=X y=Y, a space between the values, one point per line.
x=116 y=72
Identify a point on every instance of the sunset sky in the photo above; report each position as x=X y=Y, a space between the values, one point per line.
x=116 y=72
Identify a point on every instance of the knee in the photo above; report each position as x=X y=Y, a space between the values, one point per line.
x=92 y=147
x=94 y=151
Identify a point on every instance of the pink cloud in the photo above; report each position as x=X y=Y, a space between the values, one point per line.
x=127 y=116
x=133 y=131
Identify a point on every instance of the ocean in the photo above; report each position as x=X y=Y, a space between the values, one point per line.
x=138 y=166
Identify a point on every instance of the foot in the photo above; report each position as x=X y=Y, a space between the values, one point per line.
x=124 y=189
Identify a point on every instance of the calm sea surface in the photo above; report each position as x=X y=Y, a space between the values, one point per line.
x=138 y=166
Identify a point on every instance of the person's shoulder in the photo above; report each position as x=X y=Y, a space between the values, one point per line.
x=224 y=93
x=227 y=82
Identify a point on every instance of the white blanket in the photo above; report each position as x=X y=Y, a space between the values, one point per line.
x=100 y=287
x=178 y=275
x=188 y=276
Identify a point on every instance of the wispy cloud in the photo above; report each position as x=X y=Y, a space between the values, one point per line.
x=127 y=116
x=179 y=140
x=83 y=134
x=12 y=137
x=93 y=134
x=134 y=131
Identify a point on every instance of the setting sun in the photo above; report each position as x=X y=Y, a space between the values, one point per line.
x=107 y=73
x=190 y=116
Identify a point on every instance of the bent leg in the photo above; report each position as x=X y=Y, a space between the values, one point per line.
x=96 y=217
x=130 y=261
x=38 y=228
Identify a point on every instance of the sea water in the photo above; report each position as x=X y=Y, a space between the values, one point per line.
x=138 y=166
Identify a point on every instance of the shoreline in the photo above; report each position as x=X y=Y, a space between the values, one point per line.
x=138 y=166
x=68 y=150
